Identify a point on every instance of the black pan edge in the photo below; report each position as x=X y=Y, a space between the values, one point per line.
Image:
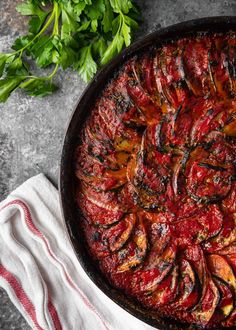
x=67 y=178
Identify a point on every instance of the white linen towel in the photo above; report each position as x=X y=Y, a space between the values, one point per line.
x=40 y=272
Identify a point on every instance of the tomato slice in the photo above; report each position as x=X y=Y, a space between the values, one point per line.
x=99 y=208
x=225 y=237
x=196 y=66
x=164 y=293
x=198 y=228
x=209 y=182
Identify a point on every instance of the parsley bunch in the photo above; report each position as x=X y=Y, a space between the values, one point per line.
x=82 y=34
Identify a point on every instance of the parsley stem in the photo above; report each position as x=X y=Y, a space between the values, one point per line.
x=57 y=14
x=54 y=71
x=46 y=77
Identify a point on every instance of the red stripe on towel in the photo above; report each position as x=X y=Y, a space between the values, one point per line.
x=20 y=294
x=54 y=315
x=36 y=231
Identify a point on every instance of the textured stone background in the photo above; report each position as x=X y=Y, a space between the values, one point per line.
x=31 y=130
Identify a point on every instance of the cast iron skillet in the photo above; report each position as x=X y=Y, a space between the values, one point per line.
x=67 y=178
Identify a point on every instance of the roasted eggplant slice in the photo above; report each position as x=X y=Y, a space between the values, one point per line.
x=118 y=234
x=189 y=287
x=163 y=262
x=204 y=311
x=194 y=255
x=226 y=302
x=155 y=269
x=220 y=70
x=133 y=254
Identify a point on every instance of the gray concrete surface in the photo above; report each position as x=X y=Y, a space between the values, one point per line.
x=31 y=130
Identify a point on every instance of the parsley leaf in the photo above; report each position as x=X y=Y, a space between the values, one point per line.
x=7 y=86
x=113 y=49
x=107 y=17
x=86 y=66
x=38 y=87
x=3 y=59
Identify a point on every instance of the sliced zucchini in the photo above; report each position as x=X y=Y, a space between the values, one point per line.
x=219 y=266
x=159 y=78
x=194 y=254
x=163 y=262
x=230 y=320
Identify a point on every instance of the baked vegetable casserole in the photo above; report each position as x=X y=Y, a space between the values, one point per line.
x=156 y=179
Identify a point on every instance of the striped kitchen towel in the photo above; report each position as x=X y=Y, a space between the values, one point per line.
x=40 y=272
